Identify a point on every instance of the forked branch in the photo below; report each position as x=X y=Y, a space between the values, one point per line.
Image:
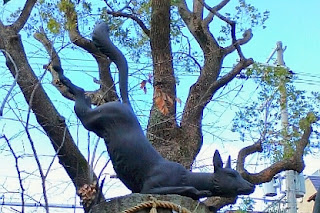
x=295 y=162
x=235 y=43
x=97 y=97
x=107 y=89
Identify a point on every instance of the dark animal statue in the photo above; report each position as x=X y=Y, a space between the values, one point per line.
x=137 y=164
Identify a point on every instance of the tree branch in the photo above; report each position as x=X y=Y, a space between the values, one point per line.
x=198 y=8
x=221 y=5
x=16 y=159
x=293 y=163
x=107 y=90
x=235 y=43
x=133 y=17
x=247 y=35
x=184 y=12
x=199 y=29
x=22 y=19
x=74 y=33
x=8 y=56
x=97 y=97
x=42 y=37
x=215 y=8
x=54 y=61
x=36 y=157
x=216 y=203
x=225 y=79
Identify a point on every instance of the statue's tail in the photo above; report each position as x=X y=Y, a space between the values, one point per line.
x=102 y=41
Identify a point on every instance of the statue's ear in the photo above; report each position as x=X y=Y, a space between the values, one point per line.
x=228 y=165
x=217 y=162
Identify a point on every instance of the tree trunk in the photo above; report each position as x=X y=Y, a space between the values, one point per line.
x=162 y=128
x=47 y=116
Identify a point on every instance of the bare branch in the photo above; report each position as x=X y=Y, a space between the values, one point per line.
x=20 y=22
x=293 y=163
x=216 y=8
x=133 y=17
x=199 y=28
x=13 y=83
x=215 y=203
x=221 y=5
x=26 y=126
x=235 y=43
x=184 y=12
x=42 y=37
x=208 y=19
x=98 y=97
x=54 y=61
x=74 y=33
x=226 y=78
x=16 y=158
x=107 y=90
x=247 y=35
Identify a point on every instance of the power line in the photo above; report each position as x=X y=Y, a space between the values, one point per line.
x=37 y=205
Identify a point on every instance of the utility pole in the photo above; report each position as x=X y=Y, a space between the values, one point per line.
x=289 y=175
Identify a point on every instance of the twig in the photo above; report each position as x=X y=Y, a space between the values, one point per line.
x=42 y=175
x=100 y=156
x=13 y=83
x=189 y=50
x=101 y=172
x=18 y=171
x=94 y=152
x=190 y=56
x=57 y=153
x=133 y=17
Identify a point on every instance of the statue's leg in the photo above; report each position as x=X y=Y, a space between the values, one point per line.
x=82 y=103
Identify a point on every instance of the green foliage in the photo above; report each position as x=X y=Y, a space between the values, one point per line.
x=68 y=8
x=53 y=26
x=55 y=22
x=246 y=16
x=252 y=13
x=276 y=92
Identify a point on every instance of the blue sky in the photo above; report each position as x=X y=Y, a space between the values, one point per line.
x=295 y=24
x=291 y=21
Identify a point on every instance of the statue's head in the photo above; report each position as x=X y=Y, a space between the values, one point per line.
x=228 y=182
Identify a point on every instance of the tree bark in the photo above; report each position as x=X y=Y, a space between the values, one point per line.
x=162 y=129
